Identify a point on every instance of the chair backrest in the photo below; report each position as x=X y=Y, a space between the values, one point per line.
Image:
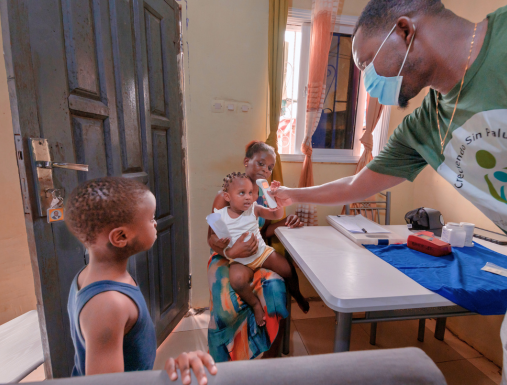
x=372 y=209
x=407 y=366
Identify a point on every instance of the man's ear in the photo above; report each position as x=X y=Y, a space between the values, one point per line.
x=405 y=28
x=227 y=197
x=118 y=237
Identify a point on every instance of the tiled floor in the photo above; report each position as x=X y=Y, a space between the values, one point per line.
x=312 y=333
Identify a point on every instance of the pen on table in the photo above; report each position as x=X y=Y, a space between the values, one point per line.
x=364 y=231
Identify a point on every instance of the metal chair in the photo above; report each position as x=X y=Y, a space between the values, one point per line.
x=373 y=208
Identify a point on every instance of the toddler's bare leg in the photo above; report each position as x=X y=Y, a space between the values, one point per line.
x=280 y=265
x=240 y=277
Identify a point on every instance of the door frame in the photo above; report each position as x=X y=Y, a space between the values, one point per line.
x=21 y=86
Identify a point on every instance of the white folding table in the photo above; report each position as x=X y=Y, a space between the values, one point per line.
x=351 y=279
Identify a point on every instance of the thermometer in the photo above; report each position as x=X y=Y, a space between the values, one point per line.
x=264 y=185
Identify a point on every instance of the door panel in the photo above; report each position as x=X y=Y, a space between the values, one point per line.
x=161 y=172
x=164 y=248
x=95 y=77
x=126 y=90
x=157 y=39
x=90 y=147
x=155 y=65
x=81 y=47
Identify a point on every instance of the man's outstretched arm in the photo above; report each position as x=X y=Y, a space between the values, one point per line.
x=351 y=189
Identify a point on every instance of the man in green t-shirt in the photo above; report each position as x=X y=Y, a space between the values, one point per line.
x=460 y=129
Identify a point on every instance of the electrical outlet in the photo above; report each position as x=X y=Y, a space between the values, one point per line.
x=217 y=106
x=230 y=106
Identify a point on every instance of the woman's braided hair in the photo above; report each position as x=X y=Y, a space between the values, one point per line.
x=230 y=177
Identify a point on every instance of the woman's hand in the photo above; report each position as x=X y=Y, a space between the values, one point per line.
x=195 y=361
x=242 y=249
x=281 y=195
x=293 y=221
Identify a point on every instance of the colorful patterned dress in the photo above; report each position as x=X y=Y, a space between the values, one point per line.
x=233 y=333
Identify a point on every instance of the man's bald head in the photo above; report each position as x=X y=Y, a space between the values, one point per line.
x=381 y=15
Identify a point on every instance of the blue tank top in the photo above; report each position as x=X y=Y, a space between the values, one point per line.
x=139 y=344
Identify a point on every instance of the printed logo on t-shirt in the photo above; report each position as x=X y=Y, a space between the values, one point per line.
x=487 y=160
x=476 y=163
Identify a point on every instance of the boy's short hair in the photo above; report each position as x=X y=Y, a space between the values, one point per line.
x=103 y=203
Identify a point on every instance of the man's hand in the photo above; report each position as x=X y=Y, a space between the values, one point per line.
x=274 y=185
x=242 y=249
x=195 y=361
x=293 y=221
x=281 y=195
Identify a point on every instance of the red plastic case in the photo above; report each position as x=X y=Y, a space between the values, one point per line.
x=426 y=242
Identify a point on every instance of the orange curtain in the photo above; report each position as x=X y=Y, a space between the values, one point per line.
x=373 y=114
x=278 y=12
x=324 y=15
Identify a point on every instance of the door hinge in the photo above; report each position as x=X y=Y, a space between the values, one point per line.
x=190 y=281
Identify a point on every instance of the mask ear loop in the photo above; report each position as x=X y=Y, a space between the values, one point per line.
x=390 y=33
x=408 y=50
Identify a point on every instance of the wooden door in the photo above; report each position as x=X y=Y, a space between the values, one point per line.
x=99 y=80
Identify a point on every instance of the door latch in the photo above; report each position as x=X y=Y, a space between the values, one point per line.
x=42 y=167
x=69 y=166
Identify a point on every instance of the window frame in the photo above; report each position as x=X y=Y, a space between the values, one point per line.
x=301 y=20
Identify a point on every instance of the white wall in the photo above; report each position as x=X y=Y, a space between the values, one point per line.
x=17 y=293
x=226 y=57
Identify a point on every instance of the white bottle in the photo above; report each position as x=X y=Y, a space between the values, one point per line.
x=446 y=233
x=454 y=234
x=469 y=230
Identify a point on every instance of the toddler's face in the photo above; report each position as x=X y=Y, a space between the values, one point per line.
x=240 y=194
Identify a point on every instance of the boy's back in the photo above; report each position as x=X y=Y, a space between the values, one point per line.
x=112 y=301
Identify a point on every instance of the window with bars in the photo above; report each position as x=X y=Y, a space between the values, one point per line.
x=343 y=118
x=336 y=127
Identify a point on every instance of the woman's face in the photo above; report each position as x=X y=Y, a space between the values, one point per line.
x=260 y=166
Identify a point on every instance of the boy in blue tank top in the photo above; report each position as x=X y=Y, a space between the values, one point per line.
x=110 y=323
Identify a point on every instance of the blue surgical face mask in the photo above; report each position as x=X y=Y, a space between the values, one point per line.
x=387 y=90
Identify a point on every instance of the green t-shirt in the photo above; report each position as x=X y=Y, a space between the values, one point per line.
x=475 y=154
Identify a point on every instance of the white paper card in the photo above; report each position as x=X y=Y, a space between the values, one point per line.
x=360 y=224
x=218 y=225
x=349 y=224
x=492 y=268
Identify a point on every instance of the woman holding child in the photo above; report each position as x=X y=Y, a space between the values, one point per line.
x=237 y=330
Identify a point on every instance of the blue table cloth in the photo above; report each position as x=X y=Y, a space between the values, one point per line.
x=457 y=276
